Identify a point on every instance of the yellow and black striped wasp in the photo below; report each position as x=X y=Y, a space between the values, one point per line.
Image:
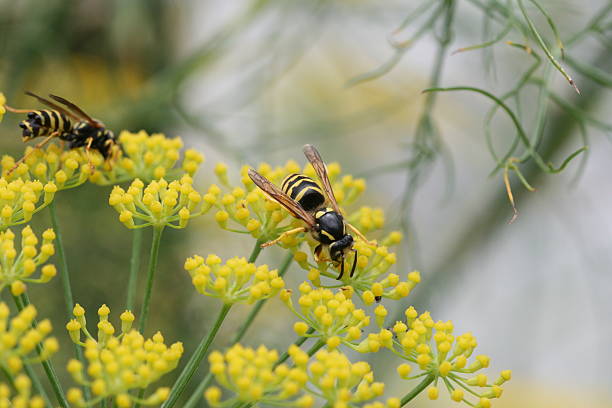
x=68 y=123
x=303 y=198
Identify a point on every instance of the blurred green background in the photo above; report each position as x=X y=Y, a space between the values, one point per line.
x=250 y=81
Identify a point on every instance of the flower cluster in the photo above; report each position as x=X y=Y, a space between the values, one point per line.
x=342 y=383
x=247 y=209
x=432 y=347
x=20 y=199
x=20 y=339
x=370 y=280
x=17 y=268
x=64 y=168
x=117 y=364
x=253 y=212
x=148 y=157
x=235 y=281
x=158 y=204
x=333 y=318
x=255 y=376
x=24 y=397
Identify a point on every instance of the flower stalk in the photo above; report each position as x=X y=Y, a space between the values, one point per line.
x=153 y=257
x=65 y=278
x=195 y=360
x=134 y=268
x=21 y=302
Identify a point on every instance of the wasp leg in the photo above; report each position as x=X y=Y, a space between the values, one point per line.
x=360 y=235
x=37 y=146
x=284 y=235
x=354 y=263
x=87 y=152
x=8 y=108
x=317 y=253
x=341 y=270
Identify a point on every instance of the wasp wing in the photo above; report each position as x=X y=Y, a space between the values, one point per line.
x=315 y=159
x=283 y=199
x=53 y=105
x=77 y=111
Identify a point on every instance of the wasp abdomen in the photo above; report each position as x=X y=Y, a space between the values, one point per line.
x=43 y=123
x=304 y=191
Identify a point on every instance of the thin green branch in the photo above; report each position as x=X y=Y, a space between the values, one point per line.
x=21 y=302
x=400 y=50
x=544 y=47
x=65 y=280
x=134 y=268
x=418 y=389
x=523 y=136
x=485 y=44
x=195 y=360
x=238 y=336
x=153 y=257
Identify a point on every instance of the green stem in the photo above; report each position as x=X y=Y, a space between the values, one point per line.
x=315 y=347
x=66 y=286
x=256 y=251
x=197 y=394
x=144 y=311
x=21 y=302
x=257 y=308
x=195 y=360
x=64 y=275
x=134 y=268
x=37 y=384
x=418 y=389
x=298 y=343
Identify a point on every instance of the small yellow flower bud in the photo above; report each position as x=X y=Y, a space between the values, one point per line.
x=432 y=393
x=18 y=288
x=457 y=395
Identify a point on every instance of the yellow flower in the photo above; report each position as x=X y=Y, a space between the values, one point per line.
x=20 y=339
x=117 y=364
x=333 y=316
x=23 y=397
x=64 y=168
x=341 y=382
x=235 y=281
x=20 y=199
x=17 y=268
x=435 y=350
x=148 y=157
x=158 y=204
x=255 y=376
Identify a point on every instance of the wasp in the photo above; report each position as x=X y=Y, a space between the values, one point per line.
x=68 y=123
x=305 y=200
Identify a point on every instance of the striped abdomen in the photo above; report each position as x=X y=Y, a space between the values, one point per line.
x=43 y=123
x=304 y=190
